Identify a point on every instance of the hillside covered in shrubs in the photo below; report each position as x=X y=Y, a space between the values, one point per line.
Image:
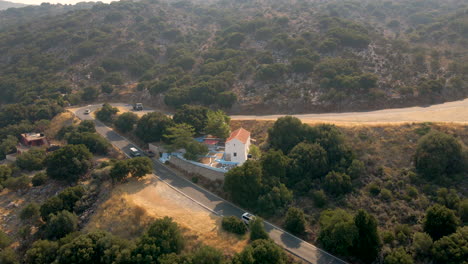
x=267 y=56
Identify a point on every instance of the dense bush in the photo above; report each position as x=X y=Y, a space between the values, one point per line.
x=60 y=224
x=337 y=183
x=440 y=221
x=69 y=163
x=125 y=122
x=93 y=141
x=5 y=240
x=163 y=237
x=17 y=183
x=452 y=249
x=152 y=126
x=337 y=231
x=234 y=225
x=438 y=154
x=30 y=212
x=257 y=229
x=295 y=221
x=31 y=160
x=106 y=113
x=39 y=179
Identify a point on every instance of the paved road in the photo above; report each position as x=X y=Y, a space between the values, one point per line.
x=296 y=246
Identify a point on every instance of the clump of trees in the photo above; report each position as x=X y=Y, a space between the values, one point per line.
x=346 y=235
x=438 y=155
x=234 y=225
x=69 y=163
x=136 y=167
x=107 y=113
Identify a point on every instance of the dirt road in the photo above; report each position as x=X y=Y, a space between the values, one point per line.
x=453 y=112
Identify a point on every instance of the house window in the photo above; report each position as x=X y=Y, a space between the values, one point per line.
x=235 y=154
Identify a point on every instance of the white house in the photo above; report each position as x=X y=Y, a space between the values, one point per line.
x=237 y=146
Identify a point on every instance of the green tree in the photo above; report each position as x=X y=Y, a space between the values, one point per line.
x=286 y=133
x=51 y=206
x=274 y=199
x=261 y=251
x=89 y=93
x=337 y=231
x=32 y=159
x=356 y=169
x=70 y=196
x=194 y=150
x=308 y=162
x=94 y=142
x=234 y=225
x=337 y=183
x=139 y=167
x=367 y=243
x=440 y=221
x=125 y=122
x=194 y=115
x=448 y=198
x=42 y=252
x=87 y=126
x=257 y=229
x=207 y=255
x=302 y=65
x=255 y=152
x=452 y=249
x=398 y=256
x=163 y=237
x=152 y=126
x=274 y=166
x=69 y=163
x=463 y=210
x=422 y=244
x=17 y=183
x=119 y=171
x=5 y=240
x=244 y=183
x=179 y=135
x=218 y=124
x=30 y=212
x=8 y=145
x=106 y=113
x=39 y=179
x=438 y=154
x=295 y=221
x=61 y=224
x=8 y=256
x=5 y=173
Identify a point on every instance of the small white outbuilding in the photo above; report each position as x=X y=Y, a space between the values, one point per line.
x=237 y=146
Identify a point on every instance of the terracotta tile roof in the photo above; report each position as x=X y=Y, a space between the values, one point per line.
x=240 y=134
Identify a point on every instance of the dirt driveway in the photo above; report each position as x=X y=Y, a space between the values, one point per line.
x=452 y=112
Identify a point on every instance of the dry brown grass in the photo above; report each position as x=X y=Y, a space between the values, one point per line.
x=61 y=120
x=133 y=205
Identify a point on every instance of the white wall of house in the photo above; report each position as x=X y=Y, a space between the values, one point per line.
x=237 y=151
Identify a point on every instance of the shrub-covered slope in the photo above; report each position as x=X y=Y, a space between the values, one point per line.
x=266 y=56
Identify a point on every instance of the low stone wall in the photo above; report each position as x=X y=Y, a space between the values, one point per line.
x=185 y=165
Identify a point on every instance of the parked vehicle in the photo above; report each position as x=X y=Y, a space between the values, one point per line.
x=134 y=152
x=138 y=107
x=246 y=218
x=87 y=112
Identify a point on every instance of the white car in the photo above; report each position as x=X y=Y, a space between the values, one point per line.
x=246 y=218
x=134 y=152
x=87 y=112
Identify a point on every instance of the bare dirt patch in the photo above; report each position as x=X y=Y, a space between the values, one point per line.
x=133 y=205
